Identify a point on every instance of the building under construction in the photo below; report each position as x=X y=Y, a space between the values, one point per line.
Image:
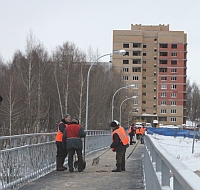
x=156 y=62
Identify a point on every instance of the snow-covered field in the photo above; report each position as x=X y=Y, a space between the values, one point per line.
x=181 y=148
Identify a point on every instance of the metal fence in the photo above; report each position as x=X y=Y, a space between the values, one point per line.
x=24 y=158
x=160 y=166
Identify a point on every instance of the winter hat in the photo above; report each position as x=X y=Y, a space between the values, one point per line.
x=76 y=120
x=114 y=123
x=66 y=115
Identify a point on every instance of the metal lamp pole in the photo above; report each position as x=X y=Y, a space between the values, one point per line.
x=122 y=52
x=114 y=97
x=121 y=106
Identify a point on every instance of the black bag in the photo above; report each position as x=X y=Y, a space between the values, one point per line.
x=76 y=164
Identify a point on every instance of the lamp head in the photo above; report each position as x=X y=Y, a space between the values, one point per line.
x=121 y=52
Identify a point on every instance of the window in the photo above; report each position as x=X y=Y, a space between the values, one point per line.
x=125 y=77
x=173 y=62
x=136 y=86
x=135 y=94
x=136 y=53
x=163 y=45
x=154 y=81
x=144 y=94
x=144 y=54
x=144 y=46
x=173 y=95
x=125 y=69
x=163 y=62
x=144 y=86
x=163 y=86
x=174 y=46
x=136 y=69
x=155 y=40
x=174 y=54
x=173 y=111
x=173 y=70
x=154 y=89
x=127 y=53
x=143 y=102
x=163 y=53
x=125 y=45
x=154 y=97
x=144 y=110
x=154 y=105
x=144 y=70
x=155 y=49
x=173 y=119
x=163 y=70
x=163 y=111
x=155 y=57
x=144 y=62
x=154 y=65
x=135 y=102
x=173 y=103
x=136 y=45
x=144 y=78
x=162 y=118
x=135 y=77
x=163 y=78
x=154 y=73
x=125 y=61
x=136 y=61
x=173 y=78
x=163 y=94
x=173 y=86
x=163 y=103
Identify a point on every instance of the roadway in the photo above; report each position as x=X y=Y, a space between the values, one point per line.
x=97 y=177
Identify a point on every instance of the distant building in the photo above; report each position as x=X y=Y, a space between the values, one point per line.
x=156 y=62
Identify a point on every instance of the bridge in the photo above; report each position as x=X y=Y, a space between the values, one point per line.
x=28 y=162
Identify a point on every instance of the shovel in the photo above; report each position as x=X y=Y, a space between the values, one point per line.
x=97 y=159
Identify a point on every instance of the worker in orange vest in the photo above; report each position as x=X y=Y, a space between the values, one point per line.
x=119 y=144
x=61 y=151
x=131 y=132
x=142 y=132
x=137 y=132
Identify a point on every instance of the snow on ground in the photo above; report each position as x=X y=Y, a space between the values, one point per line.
x=181 y=148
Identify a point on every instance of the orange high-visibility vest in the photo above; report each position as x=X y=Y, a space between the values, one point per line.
x=122 y=135
x=59 y=134
x=130 y=129
x=137 y=131
x=142 y=130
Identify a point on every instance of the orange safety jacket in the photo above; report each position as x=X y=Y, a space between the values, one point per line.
x=59 y=134
x=142 y=130
x=130 y=129
x=122 y=135
x=137 y=131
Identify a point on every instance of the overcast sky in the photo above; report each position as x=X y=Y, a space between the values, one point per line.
x=91 y=23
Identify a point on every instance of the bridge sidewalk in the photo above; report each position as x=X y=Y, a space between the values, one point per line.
x=97 y=177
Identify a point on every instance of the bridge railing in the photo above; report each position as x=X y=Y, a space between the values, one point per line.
x=27 y=157
x=160 y=166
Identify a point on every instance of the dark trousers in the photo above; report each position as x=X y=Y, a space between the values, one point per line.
x=120 y=158
x=71 y=153
x=131 y=138
x=61 y=152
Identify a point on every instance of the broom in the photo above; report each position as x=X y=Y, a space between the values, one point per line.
x=97 y=159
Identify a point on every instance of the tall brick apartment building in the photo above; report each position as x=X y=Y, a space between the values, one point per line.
x=155 y=61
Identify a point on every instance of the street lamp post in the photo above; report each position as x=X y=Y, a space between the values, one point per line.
x=114 y=97
x=121 y=106
x=121 y=52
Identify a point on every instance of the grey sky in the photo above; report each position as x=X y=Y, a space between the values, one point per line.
x=91 y=23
